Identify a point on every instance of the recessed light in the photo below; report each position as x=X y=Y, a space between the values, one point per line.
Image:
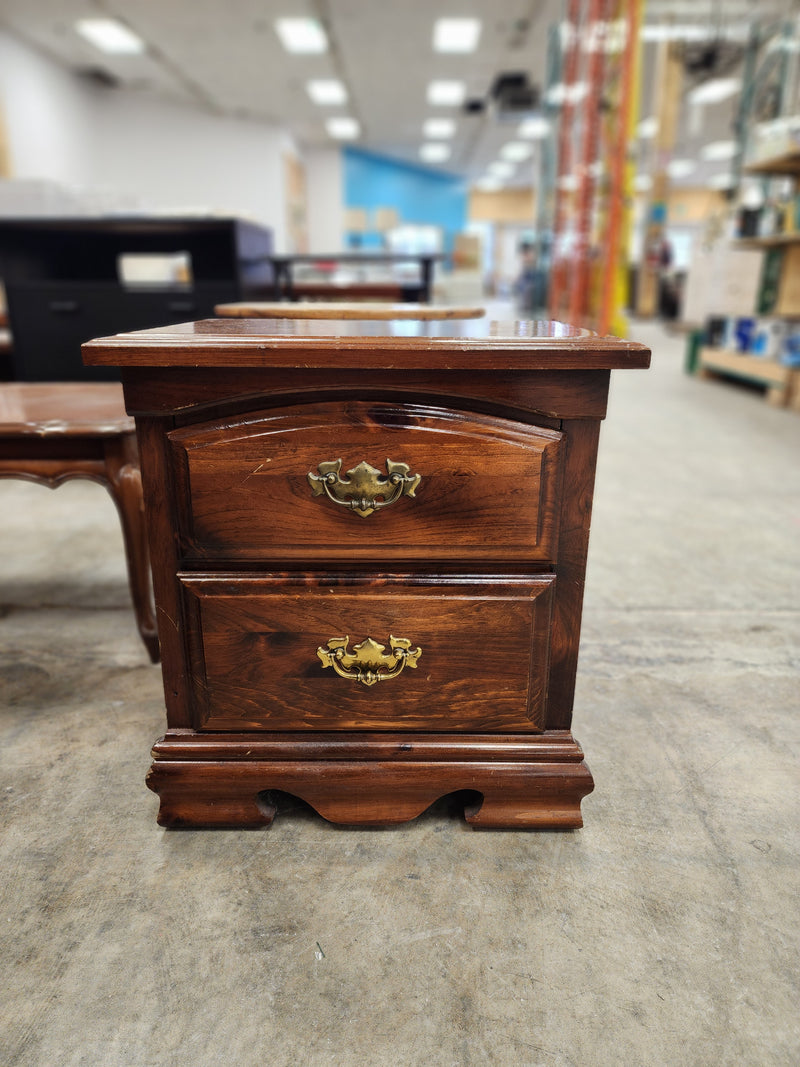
x=326 y=91
x=434 y=152
x=714 y=91
x=302 y=36
x=444 y=93
x=501 y=169
x=343 y=128
x=516 y=151
x=681 y=168
x=436 y=128
x=721 y=181
x=559 y=93
x=110 y=36
x=647 y=128
x=534 y=128
x=718 y=151
x=456 y=35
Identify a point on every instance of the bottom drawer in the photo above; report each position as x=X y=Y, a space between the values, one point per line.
x=369 y=654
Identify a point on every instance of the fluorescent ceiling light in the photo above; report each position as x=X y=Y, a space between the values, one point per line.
x=714 y=90
x=534 y=128
x=446 y=93
x=559 y=93
x=326 y=91
x=456 y=35
x=676 y=31
x=642 y=183
x=501 y=169
x=110 y=36
x=647 y=128
x=343 y=128
x=681 y=168
x=436 y=128
x=516 y=151
x=302 y=36
x=435 y=152
x=717 y=151
x=489 y=184
x=721 y=181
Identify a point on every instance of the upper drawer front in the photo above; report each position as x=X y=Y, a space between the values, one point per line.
x=360 y=480
x=394 y=653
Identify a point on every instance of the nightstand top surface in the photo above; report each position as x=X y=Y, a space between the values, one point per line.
x=480 y=344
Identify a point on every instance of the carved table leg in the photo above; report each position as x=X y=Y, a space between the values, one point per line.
x=124 y=483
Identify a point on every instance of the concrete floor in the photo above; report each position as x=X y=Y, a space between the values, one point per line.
x=663 y=933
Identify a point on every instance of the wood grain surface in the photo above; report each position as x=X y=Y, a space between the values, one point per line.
x=245 y=493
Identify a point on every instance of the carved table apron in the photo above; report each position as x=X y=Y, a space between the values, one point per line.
x=369 y=547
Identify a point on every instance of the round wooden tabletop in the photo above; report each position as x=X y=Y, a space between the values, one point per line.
x=332 y=310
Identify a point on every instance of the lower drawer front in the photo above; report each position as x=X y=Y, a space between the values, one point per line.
x=375 y=654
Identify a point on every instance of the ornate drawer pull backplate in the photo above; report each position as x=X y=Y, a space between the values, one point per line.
x=369 y=661
x=363 y=489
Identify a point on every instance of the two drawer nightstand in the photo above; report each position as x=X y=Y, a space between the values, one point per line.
x=369 y=546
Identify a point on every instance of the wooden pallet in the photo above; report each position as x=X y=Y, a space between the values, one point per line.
x=782 y=383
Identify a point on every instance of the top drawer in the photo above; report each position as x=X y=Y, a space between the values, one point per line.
x=367 y=481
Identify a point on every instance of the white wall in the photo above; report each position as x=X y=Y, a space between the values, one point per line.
x=135 y=150
x=325 y=196
x=45 y=115
x=178 y=157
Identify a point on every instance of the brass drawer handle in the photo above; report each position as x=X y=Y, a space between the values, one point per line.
x=363 y=489
x=369 y=661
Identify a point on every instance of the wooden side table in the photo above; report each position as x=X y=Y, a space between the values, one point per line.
x=53 y=431
x=369 y=544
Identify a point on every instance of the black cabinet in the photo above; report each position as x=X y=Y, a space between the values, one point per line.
x=69 y=280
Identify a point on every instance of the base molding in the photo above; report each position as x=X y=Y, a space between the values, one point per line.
x=531 y=782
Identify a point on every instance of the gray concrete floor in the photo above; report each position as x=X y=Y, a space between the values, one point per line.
x=663 y=933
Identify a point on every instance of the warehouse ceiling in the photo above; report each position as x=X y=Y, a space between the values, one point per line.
x=227 y=57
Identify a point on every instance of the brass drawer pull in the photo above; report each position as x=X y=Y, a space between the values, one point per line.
x=369 y=661
x=363 y=489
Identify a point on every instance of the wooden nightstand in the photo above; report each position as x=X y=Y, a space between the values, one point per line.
x=369 y=545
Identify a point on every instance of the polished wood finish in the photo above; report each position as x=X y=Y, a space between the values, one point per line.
x=255 y=309
x=245 y=494
x=53 y=432
x=254 y=644
x=482 y=569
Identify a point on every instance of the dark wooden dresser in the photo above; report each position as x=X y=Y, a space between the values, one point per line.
x=369 y=546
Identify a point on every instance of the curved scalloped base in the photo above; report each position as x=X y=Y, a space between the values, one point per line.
x=522 y=793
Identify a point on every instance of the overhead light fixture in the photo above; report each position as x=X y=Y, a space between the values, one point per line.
x=438 y=128
x=111 y=36
x=642 y=183
x=501 y=169
x=302 y=36
x=327 y=91
x=534 y=128
x=516 y=151
x=681 y=168
x=559 y=93
x=718 y=151
x=343 y=128
x=647 y=128
x=435 y=152
x=673 y=31
x=714 y=91
x=456 y=35
x=489 y=184
x=444 y=93
x=721 y=181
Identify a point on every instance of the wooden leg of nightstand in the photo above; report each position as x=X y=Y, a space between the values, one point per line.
x=538 y=799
